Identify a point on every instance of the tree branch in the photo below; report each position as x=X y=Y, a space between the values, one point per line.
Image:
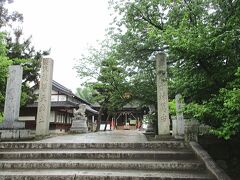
x=148 y=20
x=154 y=49
x=190 y=12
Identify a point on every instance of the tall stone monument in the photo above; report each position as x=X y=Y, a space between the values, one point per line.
x=12 y=128
x=12 y=99
x=44 y=99
x=162 y=95
x=180 y=119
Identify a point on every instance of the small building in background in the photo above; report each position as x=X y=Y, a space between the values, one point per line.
x=63 y=101
x=129 y=117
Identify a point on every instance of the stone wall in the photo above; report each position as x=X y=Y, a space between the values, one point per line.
x=226 y=153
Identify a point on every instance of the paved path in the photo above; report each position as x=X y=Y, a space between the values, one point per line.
x=118 y=136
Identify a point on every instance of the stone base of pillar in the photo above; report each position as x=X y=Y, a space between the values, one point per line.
x=16 y=134
x=177 y=129
x=79 y=125
x=150 y=128
x=191 y=130
x=163 y=137
x=12 y=125
x=179 y=137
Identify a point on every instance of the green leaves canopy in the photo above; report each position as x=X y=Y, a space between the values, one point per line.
x=201 y=39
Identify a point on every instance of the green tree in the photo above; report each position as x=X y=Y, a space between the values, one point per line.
x=221 y=111
x=108 y=80
x=4 y=63
x=200 y=37
x=86 y=93
x=7 y=18
x=22 y=52
x=15 y=50
x=111 y=88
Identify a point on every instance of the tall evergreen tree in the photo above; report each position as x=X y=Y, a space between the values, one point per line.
x=15 y=50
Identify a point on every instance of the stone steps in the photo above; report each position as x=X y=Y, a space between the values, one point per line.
x=97 y=154
x=139 y=146
x=93 y=174
x=178 y=165
x=157 y=160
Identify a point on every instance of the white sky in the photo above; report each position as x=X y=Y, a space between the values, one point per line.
x=68 y=27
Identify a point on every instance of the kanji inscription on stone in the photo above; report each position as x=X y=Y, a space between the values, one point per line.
x=44 y=99
x=162 y=95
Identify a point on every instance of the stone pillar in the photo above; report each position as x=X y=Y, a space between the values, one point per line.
x=174 y=126
x=191 y=130
x=162 y=95
x=180 y=119
x=12 y=99
x=44 y=99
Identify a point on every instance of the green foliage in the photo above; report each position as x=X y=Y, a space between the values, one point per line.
x=14 y=50
x=111 y=85
x=201 y=39
x=4 y=63
x=172 y=107
x=150 y=118
x=111 y=89
x=1 y=117
x=21 y=52
x=104 y=76
x=225 y=109
x=86 y=93
x=195 y=110
x=7 y=18
x=93 y=60
x=228 y=114
x=221 y=111
x=143 y=86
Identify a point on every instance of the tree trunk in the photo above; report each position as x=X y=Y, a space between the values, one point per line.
x=105 y=128
x=99 y=119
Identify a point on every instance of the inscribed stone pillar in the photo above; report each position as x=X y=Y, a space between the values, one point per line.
x=180 y=119
x=12 y=99
x=162 y=95
x=44 y=100
x=174 y=126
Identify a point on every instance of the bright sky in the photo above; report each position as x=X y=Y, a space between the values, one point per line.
x=67 y=27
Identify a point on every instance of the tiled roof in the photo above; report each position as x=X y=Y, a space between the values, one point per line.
x=65 y=104
x=68 y=104
x=58 y=87
x=56 y=104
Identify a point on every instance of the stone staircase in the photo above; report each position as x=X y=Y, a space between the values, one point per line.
x=135 y=161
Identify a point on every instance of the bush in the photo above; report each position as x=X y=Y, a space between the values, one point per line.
x=221 y=111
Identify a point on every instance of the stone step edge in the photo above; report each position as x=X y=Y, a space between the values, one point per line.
x=101 y=174
x=103 y=152
x=211 y=166
x=97 y=161
x=97 y=155
x=94 y=151
x=164 y=165
x=24 y=145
